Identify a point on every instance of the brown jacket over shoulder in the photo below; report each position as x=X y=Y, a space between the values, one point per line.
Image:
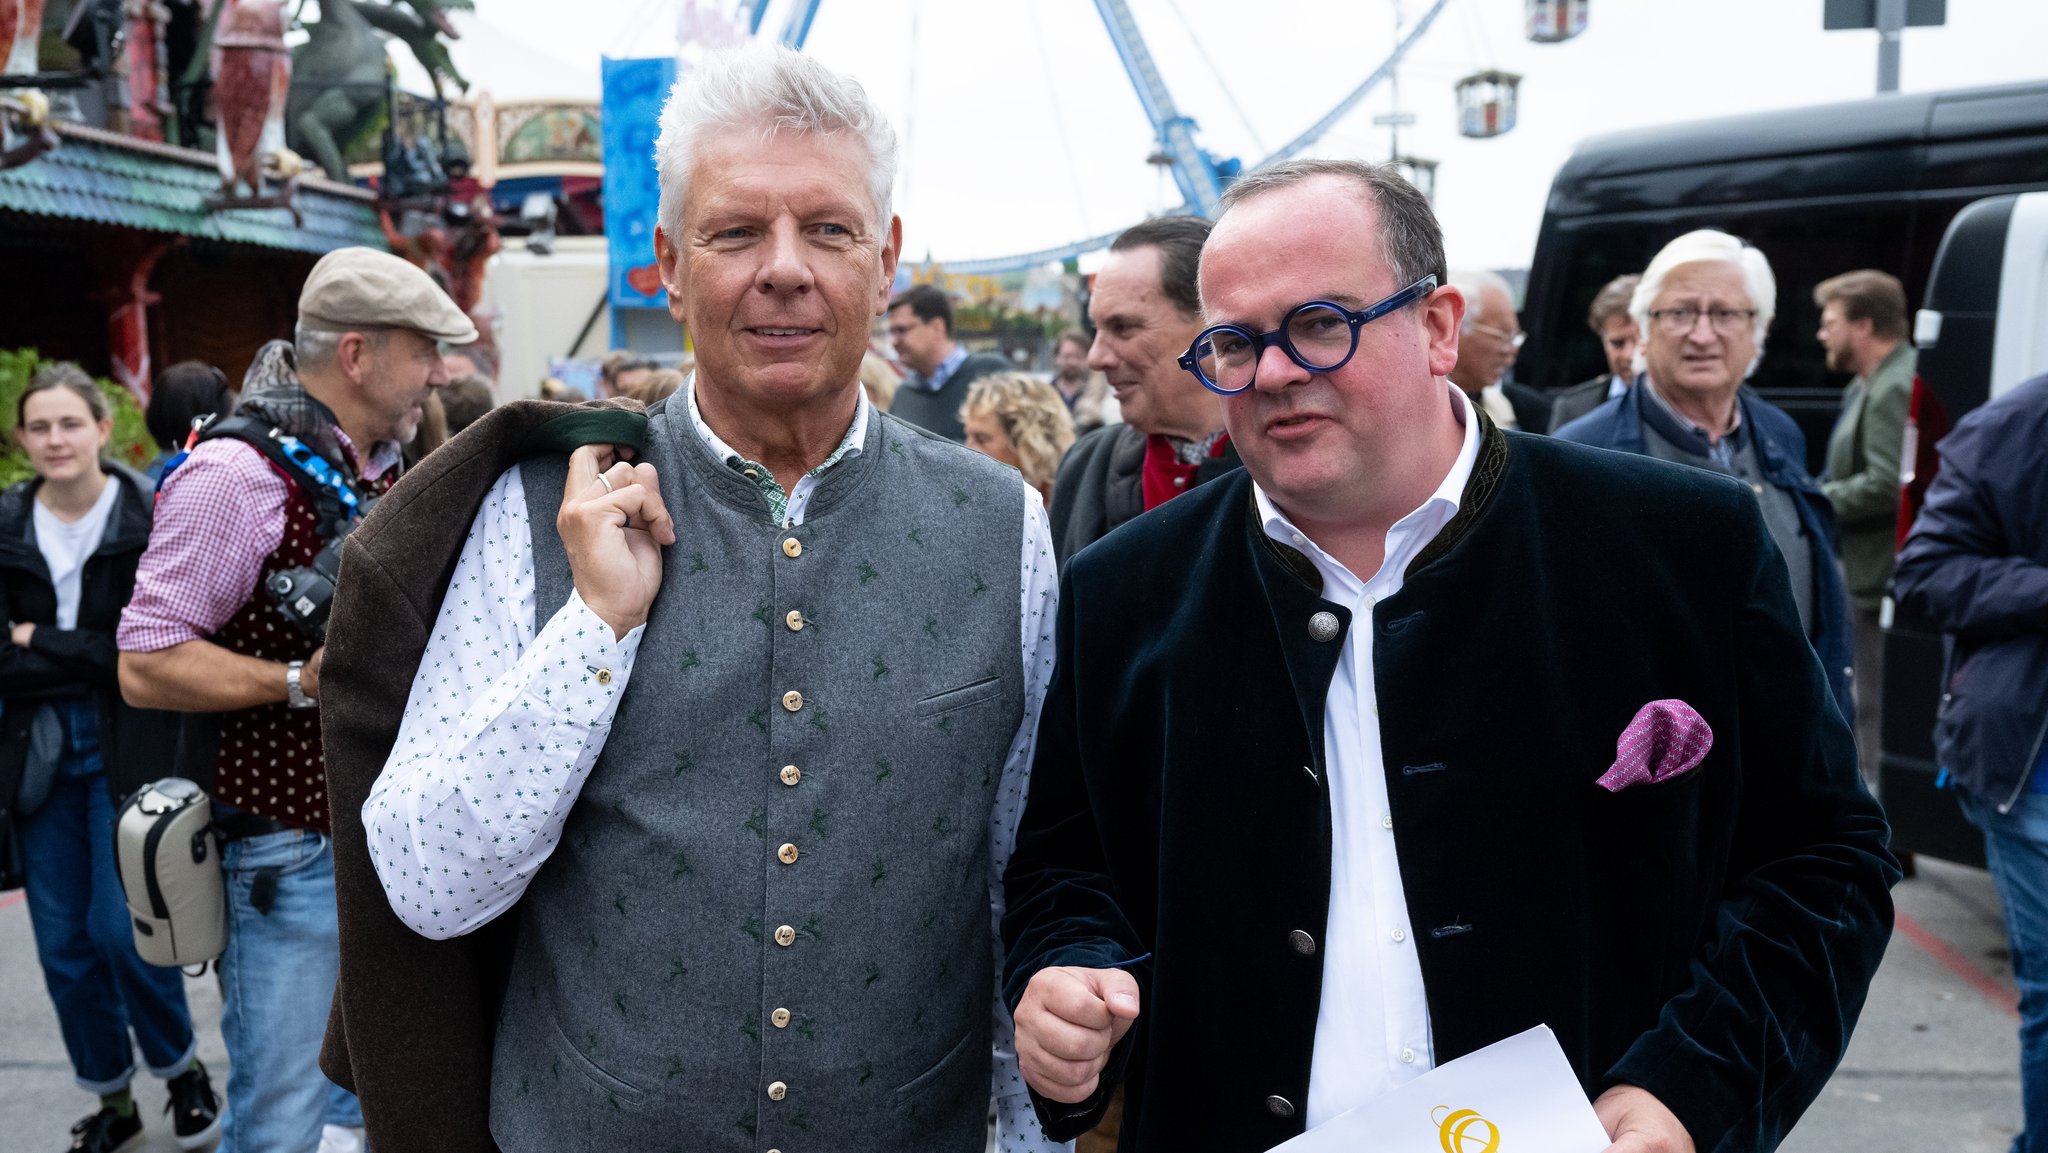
x=411 y=1028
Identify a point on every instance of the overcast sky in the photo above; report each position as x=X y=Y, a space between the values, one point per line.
x=1021 y=130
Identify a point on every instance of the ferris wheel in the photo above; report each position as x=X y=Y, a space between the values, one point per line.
x=1487 y=107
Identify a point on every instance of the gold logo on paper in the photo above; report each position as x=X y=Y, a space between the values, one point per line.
x=1464 y=1131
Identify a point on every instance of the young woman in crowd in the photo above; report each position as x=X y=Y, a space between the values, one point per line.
x=1021 y=422
x=69 y=541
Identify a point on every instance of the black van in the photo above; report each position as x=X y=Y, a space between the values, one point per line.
x=1821 y=190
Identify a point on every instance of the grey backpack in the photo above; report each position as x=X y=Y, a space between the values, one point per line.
x=169 y=857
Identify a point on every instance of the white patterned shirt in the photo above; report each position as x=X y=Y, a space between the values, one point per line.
x=505 y=722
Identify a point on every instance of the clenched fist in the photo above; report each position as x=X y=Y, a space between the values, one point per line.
x=1067 y=1023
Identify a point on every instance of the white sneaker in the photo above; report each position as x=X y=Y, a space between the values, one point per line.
x=337 y=1139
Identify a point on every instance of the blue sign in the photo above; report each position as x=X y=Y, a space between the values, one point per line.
x=634 y=91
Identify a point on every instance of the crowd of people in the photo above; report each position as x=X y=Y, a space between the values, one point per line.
x=1277 y=702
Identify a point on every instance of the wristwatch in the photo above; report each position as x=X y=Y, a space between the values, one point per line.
x=294 y=694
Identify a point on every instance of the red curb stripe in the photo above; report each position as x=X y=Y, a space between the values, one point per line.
x=1986 y=985
x=14 y=898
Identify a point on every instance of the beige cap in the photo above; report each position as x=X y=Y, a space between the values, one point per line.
x=357 y=288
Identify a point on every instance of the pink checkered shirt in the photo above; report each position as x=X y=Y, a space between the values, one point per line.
x=219 y=515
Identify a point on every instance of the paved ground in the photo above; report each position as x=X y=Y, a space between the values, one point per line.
x=1932 y=1067
x=1934 y=1063
x=38 y=1101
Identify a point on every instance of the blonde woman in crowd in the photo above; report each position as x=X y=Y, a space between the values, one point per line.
x=878 y=380
x=653 y=386
x=1022 y=422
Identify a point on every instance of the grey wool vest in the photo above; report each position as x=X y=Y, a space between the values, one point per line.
x=766 y=926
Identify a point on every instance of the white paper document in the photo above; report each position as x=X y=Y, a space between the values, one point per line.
x=1514 y=1096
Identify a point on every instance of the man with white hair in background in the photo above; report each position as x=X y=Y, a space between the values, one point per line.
x=742 y=729
x=1703 y=307
x=1488 y=339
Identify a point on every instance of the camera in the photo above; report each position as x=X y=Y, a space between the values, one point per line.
x=305 y=594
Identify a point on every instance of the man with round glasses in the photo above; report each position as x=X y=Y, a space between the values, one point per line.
x=1414 y=734
x=1703 y=307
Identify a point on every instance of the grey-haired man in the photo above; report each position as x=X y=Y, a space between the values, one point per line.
x=744 y=737
x=203 y=635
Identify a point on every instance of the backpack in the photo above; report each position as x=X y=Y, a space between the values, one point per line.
x=413 y=1020
x=168 y=855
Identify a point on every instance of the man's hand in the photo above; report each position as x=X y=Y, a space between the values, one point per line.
x=1639 y=1123
x=613 y=525
x=309 y=676
x=1067 y=1023
x=22 y=632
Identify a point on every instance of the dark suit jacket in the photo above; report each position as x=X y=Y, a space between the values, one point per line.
x=1569 y=404
x=1101 y=485
x=1709 y=938
x=1532 y=408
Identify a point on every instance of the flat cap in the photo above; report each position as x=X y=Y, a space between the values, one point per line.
x=357 y=288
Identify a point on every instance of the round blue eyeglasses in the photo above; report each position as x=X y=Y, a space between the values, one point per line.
x=1320 y=336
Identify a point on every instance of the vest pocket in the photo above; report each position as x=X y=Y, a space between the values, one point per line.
x=954 y=699
x=624 y=1093
x=918 y=1084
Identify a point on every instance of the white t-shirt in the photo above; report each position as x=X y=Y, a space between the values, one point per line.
x=65 y=548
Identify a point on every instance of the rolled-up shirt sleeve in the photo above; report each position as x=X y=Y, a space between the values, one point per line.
x=220 y=514
x=502 y=727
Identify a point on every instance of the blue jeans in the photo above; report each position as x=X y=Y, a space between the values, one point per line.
x=2016 y=849
x=277 y=979
x=101 y=987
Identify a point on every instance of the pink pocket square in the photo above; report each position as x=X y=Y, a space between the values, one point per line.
x=1667 y=739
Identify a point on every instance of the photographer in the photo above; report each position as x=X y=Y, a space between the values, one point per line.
x=205 y=634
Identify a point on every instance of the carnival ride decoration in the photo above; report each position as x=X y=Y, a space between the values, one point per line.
x=1554 y=21
x=422 y=37
x=21 y=26
x=25 y=131
x=341 y=74
x=1487 y=103
x=252 y=78
x=1416 y=170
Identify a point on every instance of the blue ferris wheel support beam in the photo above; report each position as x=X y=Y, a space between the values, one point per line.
x=1316 y=131
x=1193 y=170
x=798 y=29
x=750 y=13
x=995 y=265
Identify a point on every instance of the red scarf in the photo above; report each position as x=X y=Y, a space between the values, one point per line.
x=1164 y=476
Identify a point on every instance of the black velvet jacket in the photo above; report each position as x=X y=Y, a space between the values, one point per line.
x=1709 y=938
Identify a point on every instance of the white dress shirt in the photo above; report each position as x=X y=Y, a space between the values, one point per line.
x=505 y=721
x=1372 y=1030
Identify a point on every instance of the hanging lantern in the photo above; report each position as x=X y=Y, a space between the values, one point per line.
x=1419 y=172
x=1553 y=21
x=1486 y=103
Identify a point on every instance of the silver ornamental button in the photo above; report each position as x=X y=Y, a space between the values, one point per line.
x=1323 y=626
